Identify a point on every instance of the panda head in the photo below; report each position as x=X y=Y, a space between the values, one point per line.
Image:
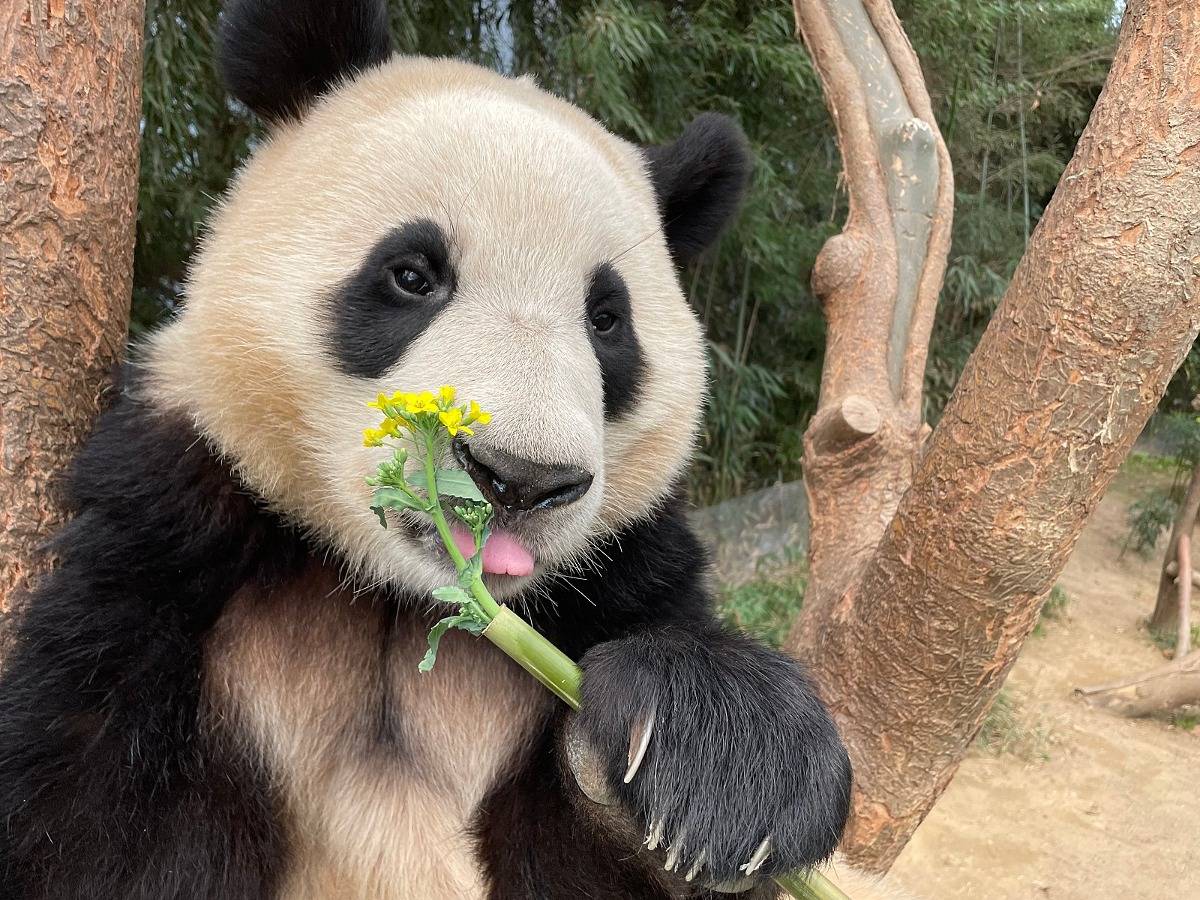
x=410 y=223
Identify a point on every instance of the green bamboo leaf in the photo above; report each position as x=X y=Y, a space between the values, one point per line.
x=450 y=483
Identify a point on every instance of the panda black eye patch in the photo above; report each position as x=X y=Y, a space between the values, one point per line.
x=399 y=289
x=614 y=341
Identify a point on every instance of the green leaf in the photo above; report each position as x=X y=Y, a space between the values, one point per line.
x=450 y=483
x=465 y=622
x=435 y=637
x=394 y=498
x=451 y=594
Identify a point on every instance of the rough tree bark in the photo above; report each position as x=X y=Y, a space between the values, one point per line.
x=1166 y=606
x=70 y=94
x=878 y=282
x=1099 y=314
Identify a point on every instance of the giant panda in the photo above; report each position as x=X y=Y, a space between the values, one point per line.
x=215 y=693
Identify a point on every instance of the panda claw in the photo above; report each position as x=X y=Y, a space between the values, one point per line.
x=759 y=857
x=655 y=835
x=675 y=852
x=639 y=741
x=697 y=866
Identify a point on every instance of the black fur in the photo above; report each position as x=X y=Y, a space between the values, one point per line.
x=276 y=56
x=108 y=789
x=741 y=750
x=372 y=323
x=112 y=784
x=617 y=349
x=700 y=178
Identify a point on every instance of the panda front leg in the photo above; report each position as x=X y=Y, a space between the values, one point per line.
x=720 y=750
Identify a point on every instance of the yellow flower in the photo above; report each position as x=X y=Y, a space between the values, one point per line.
x=373 y=437
x=453 y=420
x=446 y=395
x=477 y=415
x=391 y=426
x=415 y=404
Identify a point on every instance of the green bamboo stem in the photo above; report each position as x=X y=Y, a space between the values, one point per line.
x=529 y=648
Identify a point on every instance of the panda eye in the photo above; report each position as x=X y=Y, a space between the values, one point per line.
x=411 y=280
x=603 y=322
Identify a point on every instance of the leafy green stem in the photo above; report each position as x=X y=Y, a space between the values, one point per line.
x=435 y=509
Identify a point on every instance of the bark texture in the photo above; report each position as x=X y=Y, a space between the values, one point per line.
x=1166 y=606
x=878 y=283
x=70 y=92
x=1100 y=312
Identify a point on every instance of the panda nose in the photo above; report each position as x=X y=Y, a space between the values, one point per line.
x=520 y=484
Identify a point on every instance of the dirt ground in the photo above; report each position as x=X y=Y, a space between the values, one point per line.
x=1092 y=806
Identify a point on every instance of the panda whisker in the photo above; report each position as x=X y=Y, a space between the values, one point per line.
x=634 y=245
x=569 y=582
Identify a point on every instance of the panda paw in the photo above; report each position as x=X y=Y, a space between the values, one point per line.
x=718 y=748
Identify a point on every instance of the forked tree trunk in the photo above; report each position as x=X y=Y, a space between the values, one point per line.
x=1166 y=606
x=1099 y=314
x=70 y=89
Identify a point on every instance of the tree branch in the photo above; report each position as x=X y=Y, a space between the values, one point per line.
x=878 y=282
x=1157 y=691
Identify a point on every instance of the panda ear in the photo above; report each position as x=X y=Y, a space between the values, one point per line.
x=276 y=56
x=700 y=179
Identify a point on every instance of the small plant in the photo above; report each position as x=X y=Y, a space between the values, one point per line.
x=1004 y=731
x=1054 y=609
x=1166 y=639
x=766 y=606
x=1148 y=518
x=1186 y=720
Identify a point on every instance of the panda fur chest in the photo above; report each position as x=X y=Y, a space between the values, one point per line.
x=380 y=769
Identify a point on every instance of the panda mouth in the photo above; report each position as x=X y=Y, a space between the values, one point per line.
x=504 y=552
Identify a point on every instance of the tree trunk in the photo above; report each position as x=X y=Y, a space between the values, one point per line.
x=70 y=89
x=1157 y=691
x=1101 y=311
x=878 y=282
x=1166 y=606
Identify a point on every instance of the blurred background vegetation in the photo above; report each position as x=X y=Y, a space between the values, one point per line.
x=1013 y=82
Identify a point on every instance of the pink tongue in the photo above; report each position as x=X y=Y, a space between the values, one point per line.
x=502 y=554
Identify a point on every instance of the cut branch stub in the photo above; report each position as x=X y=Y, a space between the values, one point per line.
x=852 y=420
